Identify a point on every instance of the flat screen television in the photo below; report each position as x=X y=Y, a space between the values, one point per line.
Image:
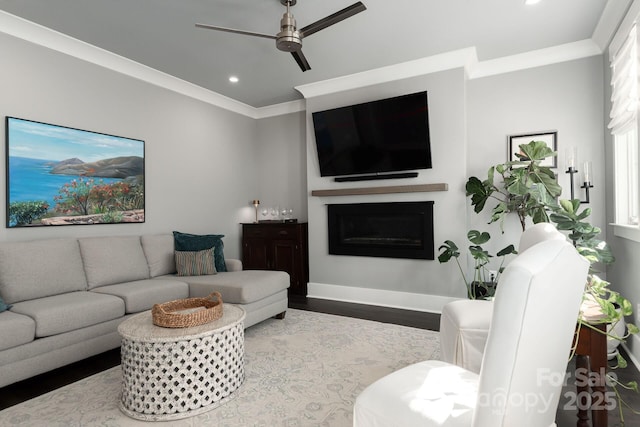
x=387 y=135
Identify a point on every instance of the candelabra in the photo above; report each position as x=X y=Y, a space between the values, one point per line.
x=571 y=170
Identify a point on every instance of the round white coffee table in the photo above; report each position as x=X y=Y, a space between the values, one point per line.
x=170 y=374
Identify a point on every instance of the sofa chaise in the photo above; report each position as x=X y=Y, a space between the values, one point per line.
x=68 y=296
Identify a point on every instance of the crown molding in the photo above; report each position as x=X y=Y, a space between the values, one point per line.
x=46 y=37
x=535 y=58
x=280 y=109
x=612 y=15
x=404 y=70
x=463 y=58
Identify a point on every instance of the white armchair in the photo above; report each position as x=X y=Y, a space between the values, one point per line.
x=464 y=324
x=520 y=381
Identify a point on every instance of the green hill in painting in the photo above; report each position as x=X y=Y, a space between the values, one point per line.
x=117 y=167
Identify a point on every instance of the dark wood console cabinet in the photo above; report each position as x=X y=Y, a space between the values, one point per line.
x=278 y=246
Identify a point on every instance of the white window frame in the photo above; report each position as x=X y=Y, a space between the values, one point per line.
x=625 y=153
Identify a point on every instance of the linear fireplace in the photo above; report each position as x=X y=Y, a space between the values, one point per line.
x=392 y=230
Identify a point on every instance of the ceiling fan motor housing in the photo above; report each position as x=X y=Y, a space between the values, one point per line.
x=288 y=39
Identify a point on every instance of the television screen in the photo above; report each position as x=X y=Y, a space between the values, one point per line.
x=387 y=135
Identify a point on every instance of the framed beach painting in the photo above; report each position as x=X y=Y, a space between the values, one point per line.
x=57 y=175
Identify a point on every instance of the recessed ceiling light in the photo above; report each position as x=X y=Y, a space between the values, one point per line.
x=234 y=79
x=529 y=2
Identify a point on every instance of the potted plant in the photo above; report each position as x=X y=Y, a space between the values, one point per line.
x=483 y=283
x=525 y=187
x=530 y=191
x=566 y=216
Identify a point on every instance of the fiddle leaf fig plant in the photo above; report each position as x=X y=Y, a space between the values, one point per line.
x=524 y=187
x=584 y=235
x=613 y=306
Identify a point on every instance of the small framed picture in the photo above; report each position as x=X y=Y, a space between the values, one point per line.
x=549 y=138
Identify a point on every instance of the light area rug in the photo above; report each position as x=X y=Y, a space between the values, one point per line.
x=305 y=370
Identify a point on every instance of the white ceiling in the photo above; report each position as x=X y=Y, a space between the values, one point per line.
x=161 y=34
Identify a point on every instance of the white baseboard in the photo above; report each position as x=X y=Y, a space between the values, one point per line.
x=383 y=298
x=636 y=345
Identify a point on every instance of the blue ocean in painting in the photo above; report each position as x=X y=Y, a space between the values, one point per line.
x=31 y=180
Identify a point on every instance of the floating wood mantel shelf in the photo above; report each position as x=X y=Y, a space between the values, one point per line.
x=419 y=188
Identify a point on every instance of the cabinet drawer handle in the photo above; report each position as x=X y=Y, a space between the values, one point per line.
x=283 y=233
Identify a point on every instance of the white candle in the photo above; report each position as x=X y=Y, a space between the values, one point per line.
x=588 y=172
x=572 y=157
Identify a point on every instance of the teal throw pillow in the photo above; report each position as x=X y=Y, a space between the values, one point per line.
x=200 y=242
x=4 y=306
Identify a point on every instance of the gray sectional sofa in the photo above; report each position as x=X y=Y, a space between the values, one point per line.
x=68 y=296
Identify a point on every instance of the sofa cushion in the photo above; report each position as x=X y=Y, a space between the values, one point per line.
x=4 y=306
x=239 y=287
x=198 y=242
x=15 y=329
x=109 y=260
x=195 y=263
x=142 y=294
x=40 y=268
x=74 y=310
x=159 y=251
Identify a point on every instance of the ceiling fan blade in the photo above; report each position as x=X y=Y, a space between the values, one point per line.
x=231 y=30
x=323 y=23
x=301 y=60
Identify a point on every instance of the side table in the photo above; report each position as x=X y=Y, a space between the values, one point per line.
x=591 y=366
x=591 y=359
x=170 y=374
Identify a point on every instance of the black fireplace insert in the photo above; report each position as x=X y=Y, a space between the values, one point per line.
x=391 y=230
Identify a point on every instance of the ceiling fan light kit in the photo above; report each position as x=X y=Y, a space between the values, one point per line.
x=289 y=39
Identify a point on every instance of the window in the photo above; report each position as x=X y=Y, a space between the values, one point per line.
x=624 y=128
x=626 y=177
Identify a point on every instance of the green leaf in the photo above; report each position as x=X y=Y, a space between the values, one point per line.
x=625 y=307
x=551 y=185
x=448 y=250
x=539 y=215
x=567 y=205
x=537 y=150
x=474 y=186
x=479 y=192
x=507 y=251
x=477 y=237
x=491 y=174
x=519 y=187
x=479 y=254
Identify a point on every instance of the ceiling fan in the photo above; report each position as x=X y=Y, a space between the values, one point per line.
x=289 y=39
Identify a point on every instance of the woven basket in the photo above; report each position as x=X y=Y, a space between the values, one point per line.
x=207 y=310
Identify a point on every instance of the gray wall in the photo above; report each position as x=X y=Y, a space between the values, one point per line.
x=281 y=160
x=470 y=122
x=564 y=97
x=201 y=164
x=446 y=96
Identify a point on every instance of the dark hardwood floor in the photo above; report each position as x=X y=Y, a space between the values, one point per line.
x=28 y=389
